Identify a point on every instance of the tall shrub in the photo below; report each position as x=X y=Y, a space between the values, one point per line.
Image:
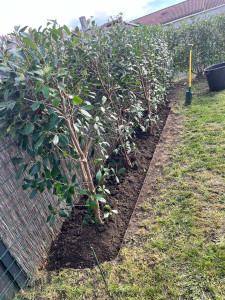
x=208 y=37
x=66 y=94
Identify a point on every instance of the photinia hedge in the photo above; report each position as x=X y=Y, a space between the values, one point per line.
x=207 y=35
x=66 y=94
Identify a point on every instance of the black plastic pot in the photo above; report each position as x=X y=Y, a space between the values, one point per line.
x=216 y=77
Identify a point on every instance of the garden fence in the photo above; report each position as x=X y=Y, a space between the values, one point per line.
x=24 y=233
x=25 y=236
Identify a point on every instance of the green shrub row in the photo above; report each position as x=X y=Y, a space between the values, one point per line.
x=67 y=95
x=207 y=35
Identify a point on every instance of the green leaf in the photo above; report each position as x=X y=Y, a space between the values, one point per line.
x=77 y=100
x=41 y=187
x=30 y=43
x=67 y=30
x=55 y=172
x=47 y=173
x=106 y=215
x=35 y=105
x=65 y=179
x=33 y=193
x=114 y=211
x=28 y=128
x=39 y=72
x=75 y=41
x=50 y=110
x=50 y=207
x=36 y=168
x=62 y=213
x=16 y=28
x=17 y=160
x=54 y=62
x=61 y=199
x=23 y=29
x=6 y=95
x=47 y=70
x=19 y=80
x=87 y=220
x=56 y=102
x=99 y=175
x=76 y=156
x=51 y=159
x=25 y=186
x=45 y=162
x=20 y=171
x=25 y=34
x=85 y=113
x=45 y=91
x=82 y=192
x=121 y=171
x=54 y=121
x=107 y=191
x=99 y=198
x=40 y=141
x=71 y=190
x=76 y=128
x=62 y=86
x=55 y=140
x=88 y=107
x=93 y=204
x=49 y=184
x=69 y=167
x=97 y=160
x=69 y=201
x=74 y=178
x=58 y=185
x=52 y=221
x=59 y=192
x=5 y=69
x=63 y=140
x=87 y=202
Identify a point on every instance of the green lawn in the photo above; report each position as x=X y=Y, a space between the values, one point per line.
x=177 y=248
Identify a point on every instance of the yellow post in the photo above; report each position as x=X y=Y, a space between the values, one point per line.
x=189 y=93
x=190 y=68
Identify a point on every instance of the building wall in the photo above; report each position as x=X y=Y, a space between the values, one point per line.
x=201 y=15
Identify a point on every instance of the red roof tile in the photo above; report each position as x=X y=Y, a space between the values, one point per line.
x=177 y=11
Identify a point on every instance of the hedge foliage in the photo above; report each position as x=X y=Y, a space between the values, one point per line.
x=207 y=35
x=66 y=95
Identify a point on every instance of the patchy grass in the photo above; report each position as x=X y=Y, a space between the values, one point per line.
x=178 y=248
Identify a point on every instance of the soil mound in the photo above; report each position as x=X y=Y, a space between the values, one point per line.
x=71 y=248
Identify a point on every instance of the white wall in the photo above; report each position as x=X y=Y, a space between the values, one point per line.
x=200 y=15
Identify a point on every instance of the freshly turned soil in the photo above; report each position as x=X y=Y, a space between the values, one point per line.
x=71 y=248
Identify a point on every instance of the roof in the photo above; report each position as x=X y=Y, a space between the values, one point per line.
x=178 y=11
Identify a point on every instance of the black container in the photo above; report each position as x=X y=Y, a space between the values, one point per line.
x=216 y=77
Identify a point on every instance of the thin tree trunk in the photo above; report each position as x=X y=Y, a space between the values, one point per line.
x=83 y=160
x=123 y=151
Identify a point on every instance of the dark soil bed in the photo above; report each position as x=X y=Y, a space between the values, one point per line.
x=71 y=248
